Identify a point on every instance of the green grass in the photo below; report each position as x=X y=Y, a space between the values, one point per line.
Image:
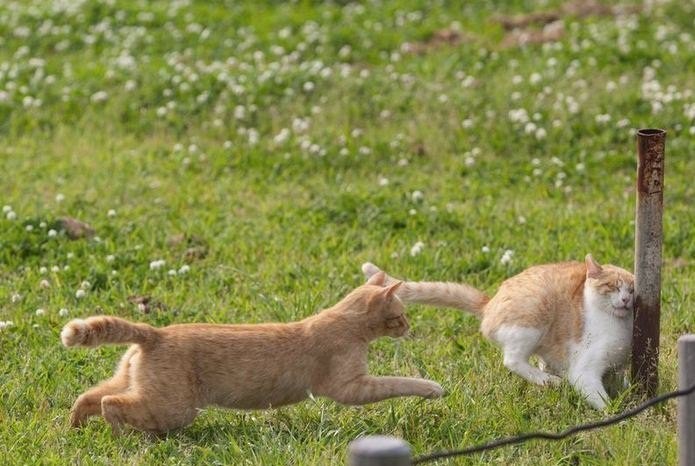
x=287 y=223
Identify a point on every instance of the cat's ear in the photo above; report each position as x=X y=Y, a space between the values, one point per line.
x=593 y=268
x=390 y=290
x=377 y=279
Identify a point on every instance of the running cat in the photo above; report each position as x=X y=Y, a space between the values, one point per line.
x=170 y=373
x=576 y=317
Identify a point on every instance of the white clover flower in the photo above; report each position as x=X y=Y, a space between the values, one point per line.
x=52 y=233
x=11 y=215
x=417 y=248
x=63 y=312
x=467 y=123
x=44 y=283
x=507 y=256
x=171 y=272
x=5 y=324
x=383 y=181
x=40 y=312
x=185 y=268
x=227 y=144
x=535 y=78
x=580 y=167
x=110 y=258
x=282 y=136
x=541 y=133
x=85 y=285
x=308 y=86
x=485 y=249
x=43 y=270
x=29 y=227
x=60 y=197
x=6 y=208
x=602 y=118
x=79 y=294
x=530 y=127
x=417 y=196
x=412 y=212
x=157 y=264
x=99 y=97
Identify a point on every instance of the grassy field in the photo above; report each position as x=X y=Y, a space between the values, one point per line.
x=240 y=160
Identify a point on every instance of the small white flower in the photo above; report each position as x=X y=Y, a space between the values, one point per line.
x=157 y=264
x=44 y=283
x=521 y=219
x=383 y=181
x=11 y=215
x=85 y=285
x=79 y=294
x=99 y=97
x=417 y=248
x=308 y=86
x=171 y=272
x=185 y=268
x=417 y=196
x=60 y=197
x=43 y=270
x=412 y=212
x=6 y=208
x=507 y=256
x=29 y=227
x=5 y=324
x=110 y=258
x=55 y=268
x=63 y=312
x=111 y=213
x=485 y=249
x=15 y=298
x=541 y=133
x=52 y=233
x=40 y=312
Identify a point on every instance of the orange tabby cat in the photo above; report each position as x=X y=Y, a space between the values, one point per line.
x=576 y=317
x=170 y=373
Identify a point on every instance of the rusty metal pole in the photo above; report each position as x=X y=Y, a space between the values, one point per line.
x=648 y=240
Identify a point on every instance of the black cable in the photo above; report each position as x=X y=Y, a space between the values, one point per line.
x=554 y=436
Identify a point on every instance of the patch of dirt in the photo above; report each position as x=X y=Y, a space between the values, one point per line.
x=573 y=8
x=521 y=27
x=145 y=304
x=75 y=229
x=441 y=38
x=196 y=247
x=552 y=32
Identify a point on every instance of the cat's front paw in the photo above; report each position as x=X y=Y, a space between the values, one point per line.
x=551 y=380
x=433 y=390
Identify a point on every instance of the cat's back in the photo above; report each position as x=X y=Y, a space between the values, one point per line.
x=537 y=296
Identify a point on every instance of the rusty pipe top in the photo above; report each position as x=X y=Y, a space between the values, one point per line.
x=651 y=144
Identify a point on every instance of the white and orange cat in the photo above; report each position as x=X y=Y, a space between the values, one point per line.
x=576 y=317
x=170 y=373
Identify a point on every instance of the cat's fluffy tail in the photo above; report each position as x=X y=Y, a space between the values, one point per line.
x=100 y=330
x=445 y=294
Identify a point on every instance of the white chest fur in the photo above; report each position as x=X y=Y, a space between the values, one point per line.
x=606 y=339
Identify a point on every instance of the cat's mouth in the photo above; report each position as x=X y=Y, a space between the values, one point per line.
x=621 y=311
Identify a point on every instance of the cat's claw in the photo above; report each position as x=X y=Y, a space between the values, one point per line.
x=369 y=269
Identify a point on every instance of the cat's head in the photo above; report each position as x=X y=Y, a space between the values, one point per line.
x=610 y=288
x=385 y=311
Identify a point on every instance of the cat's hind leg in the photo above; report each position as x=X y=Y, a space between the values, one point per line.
x=518 y=344
x=368 y=389
x=146 y=413
x=89 y=403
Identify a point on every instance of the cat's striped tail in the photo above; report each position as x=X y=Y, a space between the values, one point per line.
x=101 y=330
x=444 y=294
